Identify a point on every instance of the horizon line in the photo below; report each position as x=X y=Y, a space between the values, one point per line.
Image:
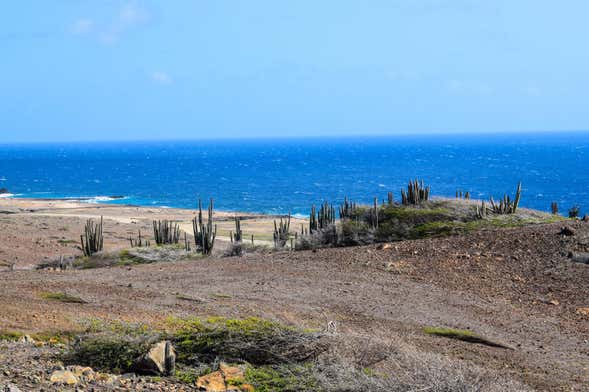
x=295 y=137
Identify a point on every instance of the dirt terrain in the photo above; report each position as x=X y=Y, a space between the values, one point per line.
x=514 y=286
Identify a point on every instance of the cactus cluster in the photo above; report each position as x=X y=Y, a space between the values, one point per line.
x=347 y=209
x=481 y=211
x=237 y=236
x=554 y=208
x=139 y=241
x=390 y=200
x=462 y=195
x=166 y=232
x=92 y=239
x=204 y=233
x=416 y=193
x=281 y=232
x=319 y=220
x=506 y=205
x=373 y=217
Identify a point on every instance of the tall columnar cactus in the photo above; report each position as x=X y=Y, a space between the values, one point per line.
x=481 y=211
x=390 y=198
x=554 y=208
x=237 y=237
x=92 y=239
x=281 y=232
x=139 y=241
x=326 y=215
x=506 y=205
x=204 y=233
x=373 y=217
x=166 y=232
x=416 y=193
x=347 y=210
x=313 y=224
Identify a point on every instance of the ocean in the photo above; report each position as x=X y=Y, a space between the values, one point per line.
x=289 y=175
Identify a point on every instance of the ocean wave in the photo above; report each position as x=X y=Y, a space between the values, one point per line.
x=98 y=199
x=7 y=195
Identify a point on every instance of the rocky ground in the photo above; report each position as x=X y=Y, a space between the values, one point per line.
x=519 y=287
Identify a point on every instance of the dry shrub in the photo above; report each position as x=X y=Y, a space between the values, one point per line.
x=359 y=364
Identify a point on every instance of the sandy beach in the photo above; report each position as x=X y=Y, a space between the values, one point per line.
x=39 y=230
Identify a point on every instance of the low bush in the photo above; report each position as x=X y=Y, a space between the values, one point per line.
x=252 y=340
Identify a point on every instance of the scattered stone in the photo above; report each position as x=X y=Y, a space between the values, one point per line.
x=9 y=388
x=226 y=379
x=554 y=302
x=160 y=360
x=82 y=372
x=579 y=257
x=26 y=339
x=586 y=218
x=583 y=311
x=64 y=377
x=567 y=231
x=385 y=246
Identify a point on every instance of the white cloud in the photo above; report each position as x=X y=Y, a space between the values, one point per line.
x=468 y=87
x=161 y=77
x=127 y=18
x=83 y=26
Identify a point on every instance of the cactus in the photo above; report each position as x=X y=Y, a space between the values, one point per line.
x=416 y=193
x=139 y=241
x=313 y=225
x=373 y=218
x=347 y=210
x=92 y=239
x=326 y=215
x=506 y=205
x=204 y=233
x=481 y=211
x=166 y=232
x=554 y=208
x=281 y=232
x=390 y=198
x=238 y=235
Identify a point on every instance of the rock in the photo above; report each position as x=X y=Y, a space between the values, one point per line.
x=82 y=372
x=26 y=339
x=64 y=377
x=160 y=360
x=567 y=231
x=9 y=388
x=223 y=380
x=583 y=311
x=579 y=257
x=586 y=218
x=212 y=382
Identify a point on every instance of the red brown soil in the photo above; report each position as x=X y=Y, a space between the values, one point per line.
x=513 y=286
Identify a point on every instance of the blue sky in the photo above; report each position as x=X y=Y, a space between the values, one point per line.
x=105 y=70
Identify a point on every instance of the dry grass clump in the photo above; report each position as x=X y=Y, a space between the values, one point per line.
x=63 y=297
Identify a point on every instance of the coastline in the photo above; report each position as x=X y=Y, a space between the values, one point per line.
x=37 y=230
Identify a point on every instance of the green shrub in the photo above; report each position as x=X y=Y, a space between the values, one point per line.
x=108 y=351
x=252 y=340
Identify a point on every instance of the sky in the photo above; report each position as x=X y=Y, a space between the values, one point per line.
x=75 y=70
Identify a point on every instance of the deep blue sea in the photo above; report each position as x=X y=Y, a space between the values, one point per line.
x=278 y=176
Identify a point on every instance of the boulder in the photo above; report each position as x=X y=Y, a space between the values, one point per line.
x=160 y=360
x=26 y=339
x=64 y=377
x=567 y=231
x=579 y=257
x=226 y=379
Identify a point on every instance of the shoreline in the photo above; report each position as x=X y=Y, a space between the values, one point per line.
x=38 y=230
